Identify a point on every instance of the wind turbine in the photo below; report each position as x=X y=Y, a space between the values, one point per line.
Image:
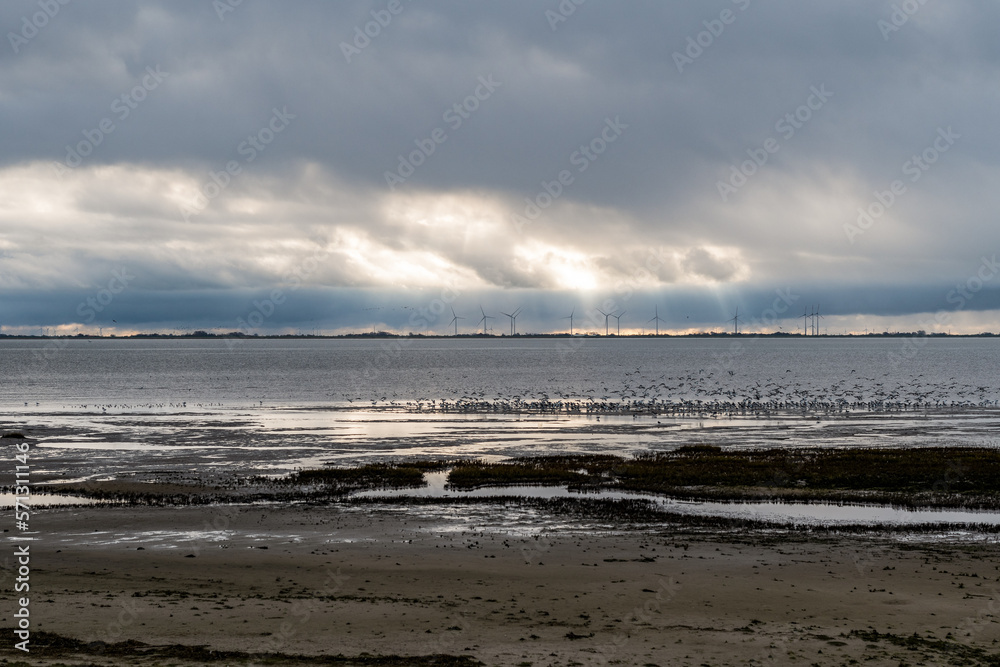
x=606 y=316
x=570 y=318
x=805 y=322
x=736 y=321
x=816 y=318
x=513 y=320
x=657 y=319
x=485 y=317
x=618 y=317
x=454 y=320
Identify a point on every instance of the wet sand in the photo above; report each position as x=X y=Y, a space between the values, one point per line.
x=383 y=581
x=267 y=440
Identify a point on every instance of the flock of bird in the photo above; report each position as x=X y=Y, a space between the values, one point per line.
x=707 y=394
x=169 y=405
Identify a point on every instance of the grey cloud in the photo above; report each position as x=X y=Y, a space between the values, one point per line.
x=703 y=263
x=320 y=186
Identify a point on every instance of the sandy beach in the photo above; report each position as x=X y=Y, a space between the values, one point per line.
x=375 y=580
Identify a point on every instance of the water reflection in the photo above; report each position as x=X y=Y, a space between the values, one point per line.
x=806 y=514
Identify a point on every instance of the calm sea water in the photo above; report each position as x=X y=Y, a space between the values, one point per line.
x=207 y=409
x=309 y=372
x=196 y=407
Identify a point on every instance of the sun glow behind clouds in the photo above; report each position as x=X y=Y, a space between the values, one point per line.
x=332 y=235
x=407 y=268
x=558 y=268
x=464 y=213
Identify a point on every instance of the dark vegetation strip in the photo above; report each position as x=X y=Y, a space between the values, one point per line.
x=370 y=476
x=53 y=645
x=958 y=477
x=959 y=654
x=322 y=485
x=933 y=476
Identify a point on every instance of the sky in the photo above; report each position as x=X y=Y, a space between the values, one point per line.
x=333 y=167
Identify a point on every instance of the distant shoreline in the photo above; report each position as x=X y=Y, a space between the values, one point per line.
x=394 y=336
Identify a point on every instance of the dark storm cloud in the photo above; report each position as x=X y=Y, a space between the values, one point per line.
x=741 y=142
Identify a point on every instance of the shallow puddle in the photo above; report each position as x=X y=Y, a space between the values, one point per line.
x=807 y=514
